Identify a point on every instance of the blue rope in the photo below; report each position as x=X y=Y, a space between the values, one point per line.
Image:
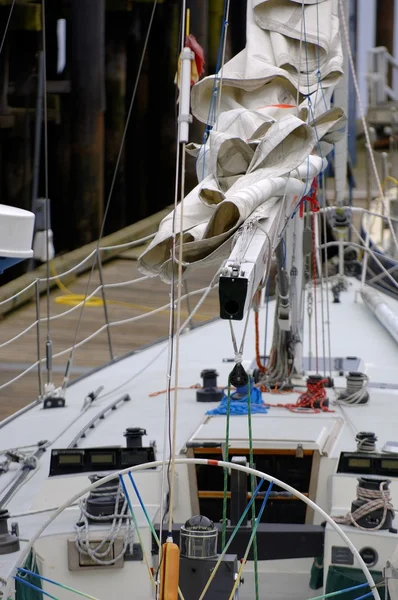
x=239 y=402
x=34 y=587
x=364 y=596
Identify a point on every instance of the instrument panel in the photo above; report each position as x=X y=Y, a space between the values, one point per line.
x=368 y=463
x=84 y=460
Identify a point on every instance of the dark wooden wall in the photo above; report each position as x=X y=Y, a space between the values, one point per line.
x=88 y=104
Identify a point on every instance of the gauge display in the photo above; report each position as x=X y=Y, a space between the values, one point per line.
x=103 y=458
x=389 y=464
x=359 y=463
x=70 y=459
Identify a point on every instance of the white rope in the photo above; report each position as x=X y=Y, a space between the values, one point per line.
x=126 y=283
x=357 y=390
x=71 y=270
x=15 y=296
x=365 y=125
x=375 y=499
x=83 y=543
x=126 y=245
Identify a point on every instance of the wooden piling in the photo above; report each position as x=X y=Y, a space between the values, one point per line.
x=87 y=112
x=117 y=24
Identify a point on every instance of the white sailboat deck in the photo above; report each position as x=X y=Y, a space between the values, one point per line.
x=354 y=332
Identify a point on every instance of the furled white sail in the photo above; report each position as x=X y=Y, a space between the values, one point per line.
x=273 y=129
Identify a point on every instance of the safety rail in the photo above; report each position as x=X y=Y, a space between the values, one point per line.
x=379 y=63
x=41 y=321
x=362 y=244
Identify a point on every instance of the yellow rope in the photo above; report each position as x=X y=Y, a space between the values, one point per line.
x=68 y=298
x=387 y=179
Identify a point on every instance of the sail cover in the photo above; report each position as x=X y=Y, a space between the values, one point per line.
x=274 y=127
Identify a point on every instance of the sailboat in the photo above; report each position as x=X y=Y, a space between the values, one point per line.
x=278 y=476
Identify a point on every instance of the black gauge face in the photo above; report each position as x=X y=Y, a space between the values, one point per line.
x=369 y=556
x=86 y=460
x=70 y=459
x=361 y=463
x=372 y=463
x=105 y=458
x=390 y=464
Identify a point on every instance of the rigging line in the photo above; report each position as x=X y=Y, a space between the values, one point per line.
x=213 y=100
x=252 y=537
x=180 y=179
x=7 y=26
x=252 y=484
x=177 y=344
x=267 y=292
x=319 y=60
x=167 y=424
x=230 y=540
x=47 y=214
x=314 y=269
x=364 y=123
x=108 y=202
x=150 y=524
x=319 y=252
x=300 y=55
x=220 y=81
x=170 y=346
x=225 y=458
x=144 y=554
x=322 y=219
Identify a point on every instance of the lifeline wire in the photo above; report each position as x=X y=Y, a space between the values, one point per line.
x=47 y=224
x=7 y=26
x=108 y=202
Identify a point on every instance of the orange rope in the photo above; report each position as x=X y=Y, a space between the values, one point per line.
x=306 y=401
x=260 y=366
x=195 y=386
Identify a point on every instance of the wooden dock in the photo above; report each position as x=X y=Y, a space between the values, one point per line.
x=121 y=303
